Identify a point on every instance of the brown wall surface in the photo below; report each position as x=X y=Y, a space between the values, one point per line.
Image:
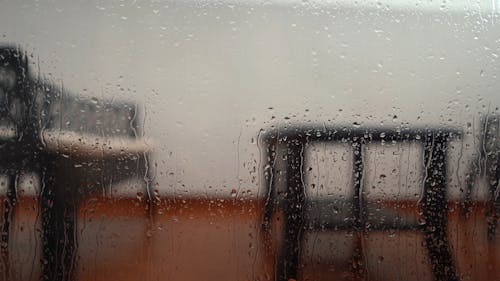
x=221 y=239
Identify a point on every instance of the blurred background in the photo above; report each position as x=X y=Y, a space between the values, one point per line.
x=209 y=77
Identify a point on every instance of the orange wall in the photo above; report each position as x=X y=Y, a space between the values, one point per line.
x=220 y=239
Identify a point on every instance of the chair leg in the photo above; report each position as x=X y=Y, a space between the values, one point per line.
x=290 y=251
x=435 y=209
x=289 y=257
x=59 y=228
x=8 y=216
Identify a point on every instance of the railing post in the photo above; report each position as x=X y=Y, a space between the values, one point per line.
x=435 y=206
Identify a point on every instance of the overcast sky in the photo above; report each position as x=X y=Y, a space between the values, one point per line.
x=210 y=74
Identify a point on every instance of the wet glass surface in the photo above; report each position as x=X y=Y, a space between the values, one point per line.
x=249 y=140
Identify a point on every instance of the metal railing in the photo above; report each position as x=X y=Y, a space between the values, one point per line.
x=285 y=150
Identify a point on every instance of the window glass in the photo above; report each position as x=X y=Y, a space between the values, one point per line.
x=249 y=140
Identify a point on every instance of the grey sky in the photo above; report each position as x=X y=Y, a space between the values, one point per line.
x=207 y=72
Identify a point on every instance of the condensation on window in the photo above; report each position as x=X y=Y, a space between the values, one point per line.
x=249 y=140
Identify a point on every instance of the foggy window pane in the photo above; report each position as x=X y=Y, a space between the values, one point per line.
x=328 y=171
x=249 y=140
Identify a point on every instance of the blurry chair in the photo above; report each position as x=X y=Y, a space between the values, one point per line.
x=74 y=145
x=284 y=174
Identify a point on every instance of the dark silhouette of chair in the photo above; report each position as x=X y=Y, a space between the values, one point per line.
x=284 y=172
x=72 y=144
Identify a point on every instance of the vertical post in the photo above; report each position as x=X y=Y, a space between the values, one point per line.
x=269 y=204
x=294 y=204
x=435 y=208
x=357 y=206
x=493 y=204
x=59 y=211
x=8 y=215
x=357 y=181
x=491 y=151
